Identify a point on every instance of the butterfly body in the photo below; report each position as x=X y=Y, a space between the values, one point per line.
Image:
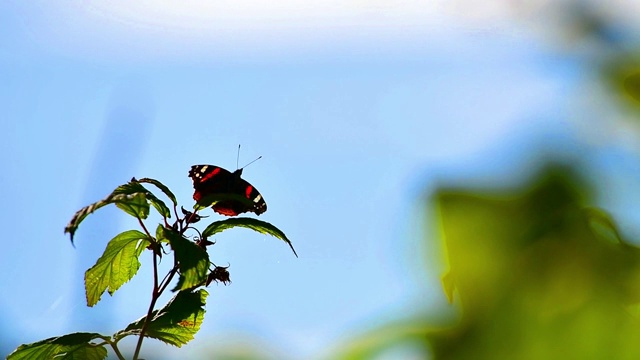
x=211 y=180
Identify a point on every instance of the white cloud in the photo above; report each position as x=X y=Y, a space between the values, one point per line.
x=243 y=28
x=197 y=27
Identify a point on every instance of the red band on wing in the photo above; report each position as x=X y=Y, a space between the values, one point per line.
x=224 y=211
x=248 y=191
x=210 y=175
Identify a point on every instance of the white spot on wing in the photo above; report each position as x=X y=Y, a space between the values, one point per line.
x=258 y=198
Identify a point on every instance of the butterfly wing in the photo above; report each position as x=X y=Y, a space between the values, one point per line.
x=243 y=188
x=214 y=180
x=209 y=179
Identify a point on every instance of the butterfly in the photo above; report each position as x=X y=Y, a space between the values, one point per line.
x=234 y=194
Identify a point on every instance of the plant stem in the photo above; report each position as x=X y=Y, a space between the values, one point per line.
x=169 y=278
x=157 y=288
x=114 y=346
x=154 y=297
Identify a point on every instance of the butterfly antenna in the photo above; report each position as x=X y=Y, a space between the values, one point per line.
x=259 y=157
x=238 y=157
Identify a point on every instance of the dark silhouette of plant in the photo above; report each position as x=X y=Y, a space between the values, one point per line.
x=179 y=320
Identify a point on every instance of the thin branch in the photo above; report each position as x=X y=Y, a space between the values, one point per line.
x=114 y=346
x=154 y=297
x=144 y=227
x=175 y=212
x=117 y=351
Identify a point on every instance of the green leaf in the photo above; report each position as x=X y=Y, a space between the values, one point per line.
x=250 y=223
x=449 y=286
x=379 y=342
x=125 y=195
x=74 y=346
x=117 y=265
x=162 y=187
x=632 y=86
x=193 y=261
x=533 y=266
x=158 y=204
x=131 y=197
x=160 y=236
x=603 y=225
x=135 y=205
x=623 y=76
x=177 y=322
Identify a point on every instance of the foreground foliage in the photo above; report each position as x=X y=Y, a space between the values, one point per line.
x=535 y=272
x=180 y=319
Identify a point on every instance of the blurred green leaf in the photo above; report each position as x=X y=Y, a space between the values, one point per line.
x=117 y=265
x=376 y=342
x=177 y=322
x=75 y=346
x=249 y=223
x=537 y=271
x=632 y=86
x=623 y=76
x=448 y=284
x=602 y=224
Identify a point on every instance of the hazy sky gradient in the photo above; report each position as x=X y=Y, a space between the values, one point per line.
x=357 y=109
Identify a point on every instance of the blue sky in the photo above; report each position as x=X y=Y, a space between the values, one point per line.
x=357 y=112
